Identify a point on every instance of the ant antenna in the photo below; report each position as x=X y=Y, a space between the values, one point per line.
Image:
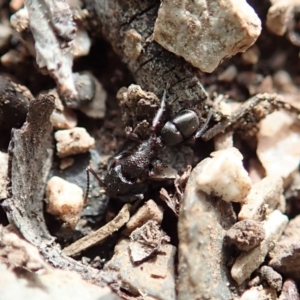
x=204 y=127
x=160 y=111
x=87 y=191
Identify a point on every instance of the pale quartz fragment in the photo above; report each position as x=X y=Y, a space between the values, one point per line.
x=279 y=14
x=20 y=20
x=73 y=141
x=149 y=211
x=95 y=108
x=15 y=5
x=223 y=141
x=278 y=146
x=64 y=200
x=284 y=83
x=5 y=35
x=264 y=195
x=62 y=117
x=228 y=74
x=256 y=170
x=82 y=43
x=224 y=176
x=259 y=293
x=248 y=262
x=132 y=44
x=66 y=162
x=206 y=32
x=251 y=56
x=3 y=174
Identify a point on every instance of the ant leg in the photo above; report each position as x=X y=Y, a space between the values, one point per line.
x=131 y=135
x=201 y=130
x=90 y=170
x=87 y=191
x=159 y=113
x=118 y=157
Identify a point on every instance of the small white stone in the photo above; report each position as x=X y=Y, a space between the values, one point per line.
x=82 y=43
x=66 y=163
x=64 y=200
x=224 y=176
x=264 y=195
x=259 y=293
x=96 y=108
x=73 y=141
x=20 y=20
x=251 y=56
x=206 y=32
x=278 y=146
x=132 y=44
x=248 y=262
x=228 y=74
x=279 y=15
x=62 y=117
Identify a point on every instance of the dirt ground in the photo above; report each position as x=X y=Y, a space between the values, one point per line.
x=149 y=151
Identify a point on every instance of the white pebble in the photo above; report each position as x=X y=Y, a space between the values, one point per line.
x=206 y=32
x=64 y=200
x=264 y=195
x=73 y=141
x=224 y=176
x=62 y=117
x=278 y=146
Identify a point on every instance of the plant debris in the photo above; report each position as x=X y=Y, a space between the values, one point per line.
x=99 y=235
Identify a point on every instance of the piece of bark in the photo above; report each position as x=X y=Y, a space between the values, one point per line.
x=245 y=119
x=99 y=235
x=152 y=66
x=30 y=158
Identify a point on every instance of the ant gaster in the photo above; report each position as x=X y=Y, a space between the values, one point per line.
x=126 y=176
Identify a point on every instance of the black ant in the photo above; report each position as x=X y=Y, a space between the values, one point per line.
x=126 y=176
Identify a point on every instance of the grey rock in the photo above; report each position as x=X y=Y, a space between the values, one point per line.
x=154 y=277
x=203 y=221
